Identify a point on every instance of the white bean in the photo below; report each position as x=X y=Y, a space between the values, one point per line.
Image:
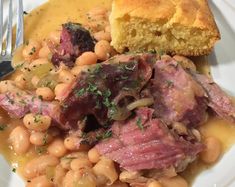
x=38 y=165
x=60 y=173
x=40 y=138
x=40 y=181
x=103 y=50
x=37 y=122
x=57 y=148
x=72 y=143
x=177 y=181
x=93 y=155
x=79 y=163
x=66 y=77
x=31 y=50
x=46 y=93
x=213 y=150
x=19 y=139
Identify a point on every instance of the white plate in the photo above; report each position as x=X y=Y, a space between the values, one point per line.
x=223 y=69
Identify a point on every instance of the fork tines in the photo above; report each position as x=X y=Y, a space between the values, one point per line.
x=6 y=52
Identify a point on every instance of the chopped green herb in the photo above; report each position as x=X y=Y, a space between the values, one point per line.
x=25 y=13
x=97 y=69
x=106 y=135
x=153 y=51
x=44 y=140
x=139 y=123
x=40 y=150
x=84 y=135
x=32 y=99
x=92 y=88
x=160 y=52
x=33 y=50
x=107 y=93
x=10 y=100
x=14 y=170
x=169 y=83
x=80 y=92
x=2 y=127
x=37 y=118
x=19 y=66
x=106 y=102
x=40 y=97
x=112 y=110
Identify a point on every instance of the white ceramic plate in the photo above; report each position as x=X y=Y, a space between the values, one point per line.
x=222 y=61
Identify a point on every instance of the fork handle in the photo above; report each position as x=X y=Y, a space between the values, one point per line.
x=5 y=68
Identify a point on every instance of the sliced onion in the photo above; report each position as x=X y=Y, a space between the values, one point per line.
x=120 y=114
x=140 y=103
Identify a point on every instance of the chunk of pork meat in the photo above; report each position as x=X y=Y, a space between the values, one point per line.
x=178 y=97
x=74 y=41
x=218 y=100
x=99 y=91
x=19 y=103
x=144 y=142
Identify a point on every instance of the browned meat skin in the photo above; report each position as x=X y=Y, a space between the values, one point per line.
x=74 y=41
x=144 y=142
x=218 y=100
x=95 y=91
x=178 y=97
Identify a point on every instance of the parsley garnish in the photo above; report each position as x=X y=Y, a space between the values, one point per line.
x=10 y=100
x=44 y=140
x=19 y=66
x=37 y=118
x=106 y=135
x=80 y=92
x=40 y=150
x=14 y=170
x=33 y=50
x=40 y=97
x=169 y=83
x=139 y=123
x=97 y=69
x=92 y=88
x=2 y=127
x=107 y=93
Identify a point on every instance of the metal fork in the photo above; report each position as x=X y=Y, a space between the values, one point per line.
x=7 y=50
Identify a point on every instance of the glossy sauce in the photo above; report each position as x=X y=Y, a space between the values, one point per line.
x=49 y=17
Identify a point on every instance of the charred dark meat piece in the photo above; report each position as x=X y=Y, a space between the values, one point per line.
x=74 y=41
x=178 y=97
x=144 y=142
x=106 y=87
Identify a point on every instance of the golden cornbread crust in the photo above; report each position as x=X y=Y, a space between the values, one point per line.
x=184 y=27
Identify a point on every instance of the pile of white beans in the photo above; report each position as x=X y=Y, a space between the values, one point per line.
x=65 y=163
